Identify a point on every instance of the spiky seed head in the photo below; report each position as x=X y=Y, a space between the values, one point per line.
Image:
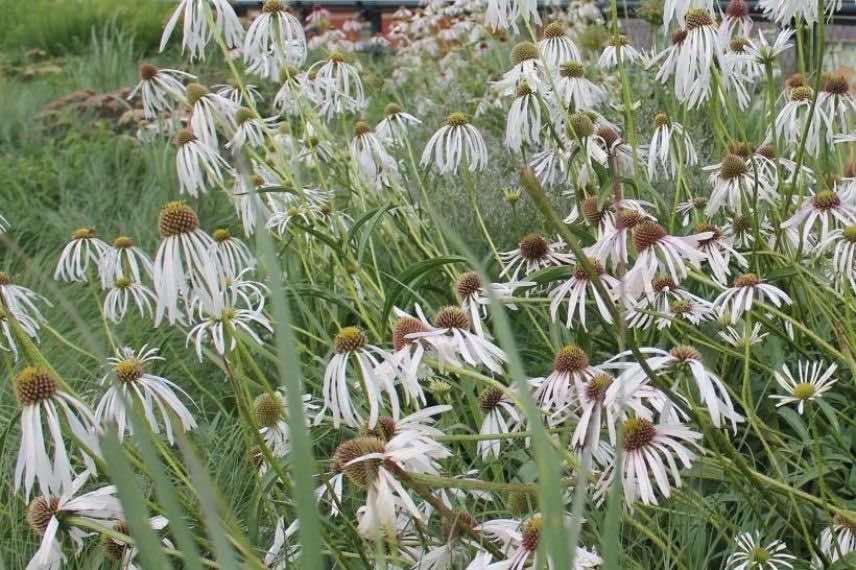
x=768 y=151
x=39 y=513
x=385 y=429
x=337 y=57
x=737 y=9
x=630 y=218
x=747 y=280
x=699 y=202
x=524 y=51
x=597 y=386
x=83 y=233
x=661 y=120
x=392 y=109
x=523 y=89
x=836 y=84
x=258 y=181
x=609 y=135
x=638 y=433
x=129 y=370
x=183 y=137
x=646 y=234
x=457 y=120
x=403 y=327
x=738 y=45
x=804 y=391
x=571 y=358
x=708 y=227
x=531 y=532
x=533 y=246
x=177 y=218
x=490 y=398
x=741 y=224
x=511 y=195
x=195 y=92
x=732 y=166
x=269 y=409
x=439 y=388
x=34 y=384
x=244 y=114
x=582 y=273
x=826 y=200
x=361 y=128
x=468 y=283
x=451 y=317
x=122 y=282
x=573 y=69
x=148 y=71
x=349 y=339
x=740 y=148
x=618 y=41
x=5 y=279
x=840 y=519
x=554 y=30
x=681 y=307
x=685 y=353
x=760 y=556
x=361 y=473
x=273 y=6
x=582 y=125
x=456 y=524
x=115 y=551
x=592 y=211
x=849 y=234
x=123 y=242
x=678 y=37
x=519 y=503
x=802 y=93
x=697 y=18
x=663 y=282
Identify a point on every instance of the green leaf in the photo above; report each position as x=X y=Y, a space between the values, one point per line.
x=411 y=276
x=796 y=422
x=848 y=562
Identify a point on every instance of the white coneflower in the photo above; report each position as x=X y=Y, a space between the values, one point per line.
x=829 y=207
x=550 y=165
x=677 y=10
x=283 y=552
x=452 y=325
x=271 y=411
x=197 y=17
x=793 y=116
x=455 y=142
x=618 y=50
x=533 y=253
x=736 y=21
x=556 y=47
x=523 y=124
x=231 y=256
x=46 y=515
x=125 y=553
x=577 y=93
x=751 y=554
x=699 y=50
x=249 y=199
x=351 y=348
x=43 y=404
x=27 y=324
x=77 y=253
x=21 y=300
x=576 y=289
x=251 y=130
x=719 y=250
x=691 y=209
x=521 y=539
x=475 y=297
x=615 y=230
x=526 y=67
x=275 y=34
x=393 y=128
x=499 y=14
x=121 y=292
x=740 y=297
x=374 y=164
x=160 y=89
x=648 y=448
x=339 y=87
x=501 y=416
x=842 y=242
x=735 y=180
x=660 y=252
x=221 y=320
x=556 y=393
x=811 y=382
x=183 y=258
x=123 y=258
x=295 y=87
x=406 y=360
x=134 y=385
x=763 y=52
x=613 y=144
x=454 y=548
x=670 y=145
x=836 y=101
x=784 y=12
x=208 y=111
x=739 y=339
x=839 y=538
x=237 y=93
x=199 y=166
x=280 y=220
x=668 y=300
